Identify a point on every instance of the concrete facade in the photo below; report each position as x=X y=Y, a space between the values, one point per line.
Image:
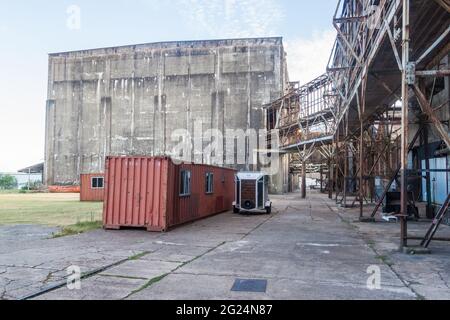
x=129 y=100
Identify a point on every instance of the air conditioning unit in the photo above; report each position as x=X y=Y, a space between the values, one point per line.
x=252 y=193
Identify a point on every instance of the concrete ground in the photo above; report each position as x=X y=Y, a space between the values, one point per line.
x=308 y=249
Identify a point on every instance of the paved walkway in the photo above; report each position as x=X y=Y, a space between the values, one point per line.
x=308 y=249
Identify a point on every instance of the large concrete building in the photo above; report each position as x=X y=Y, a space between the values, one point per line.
x=128 y=100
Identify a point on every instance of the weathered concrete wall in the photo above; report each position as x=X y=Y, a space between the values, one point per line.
x=128 y=100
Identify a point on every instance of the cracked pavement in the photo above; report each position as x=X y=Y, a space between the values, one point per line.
x=308 y=249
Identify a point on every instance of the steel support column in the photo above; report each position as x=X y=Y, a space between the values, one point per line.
x=303 y=179
x=405 y=127
x=330 y=179
x=361 y=171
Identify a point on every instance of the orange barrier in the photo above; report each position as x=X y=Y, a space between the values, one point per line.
x=64 y=189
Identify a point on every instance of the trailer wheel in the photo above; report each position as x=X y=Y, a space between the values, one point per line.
x=236 y=210
x=269 y=210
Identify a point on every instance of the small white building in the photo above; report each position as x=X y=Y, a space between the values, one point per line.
x=27 y=176
x=23 y=179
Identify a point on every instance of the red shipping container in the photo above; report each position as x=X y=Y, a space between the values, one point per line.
x=92 y=187
x=156 y=194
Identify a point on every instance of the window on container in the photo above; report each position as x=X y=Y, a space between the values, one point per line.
x=97 y=183
x=185 y=183
x=209 y=183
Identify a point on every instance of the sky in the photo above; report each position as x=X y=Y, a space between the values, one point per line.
x=29 y=30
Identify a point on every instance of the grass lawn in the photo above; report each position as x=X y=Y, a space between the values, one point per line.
x=59 y=210
x=78 y=228
x=13 y=191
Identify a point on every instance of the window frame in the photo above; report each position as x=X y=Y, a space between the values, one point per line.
x=102 y=179
x=183 y=183
x=209 y=183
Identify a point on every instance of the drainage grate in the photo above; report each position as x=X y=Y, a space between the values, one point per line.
x=249 y=285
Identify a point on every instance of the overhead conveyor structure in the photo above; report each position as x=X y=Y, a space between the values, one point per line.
x=378 y=120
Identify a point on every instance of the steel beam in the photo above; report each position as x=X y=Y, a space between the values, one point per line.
x=444 y=3
x=433 y=73
x=438 y=41
x=428 y=110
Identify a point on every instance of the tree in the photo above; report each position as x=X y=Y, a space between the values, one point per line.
x=8 y=182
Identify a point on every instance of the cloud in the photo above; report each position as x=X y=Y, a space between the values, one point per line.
x=232 y=18
x=307 y=58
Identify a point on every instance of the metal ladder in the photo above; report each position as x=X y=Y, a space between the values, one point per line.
x=436 y=223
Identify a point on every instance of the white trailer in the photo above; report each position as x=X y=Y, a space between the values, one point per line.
x=252 y=193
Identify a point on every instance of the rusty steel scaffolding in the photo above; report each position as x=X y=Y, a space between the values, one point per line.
x=306 y=120
x=385 y=54
x=385 y=94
